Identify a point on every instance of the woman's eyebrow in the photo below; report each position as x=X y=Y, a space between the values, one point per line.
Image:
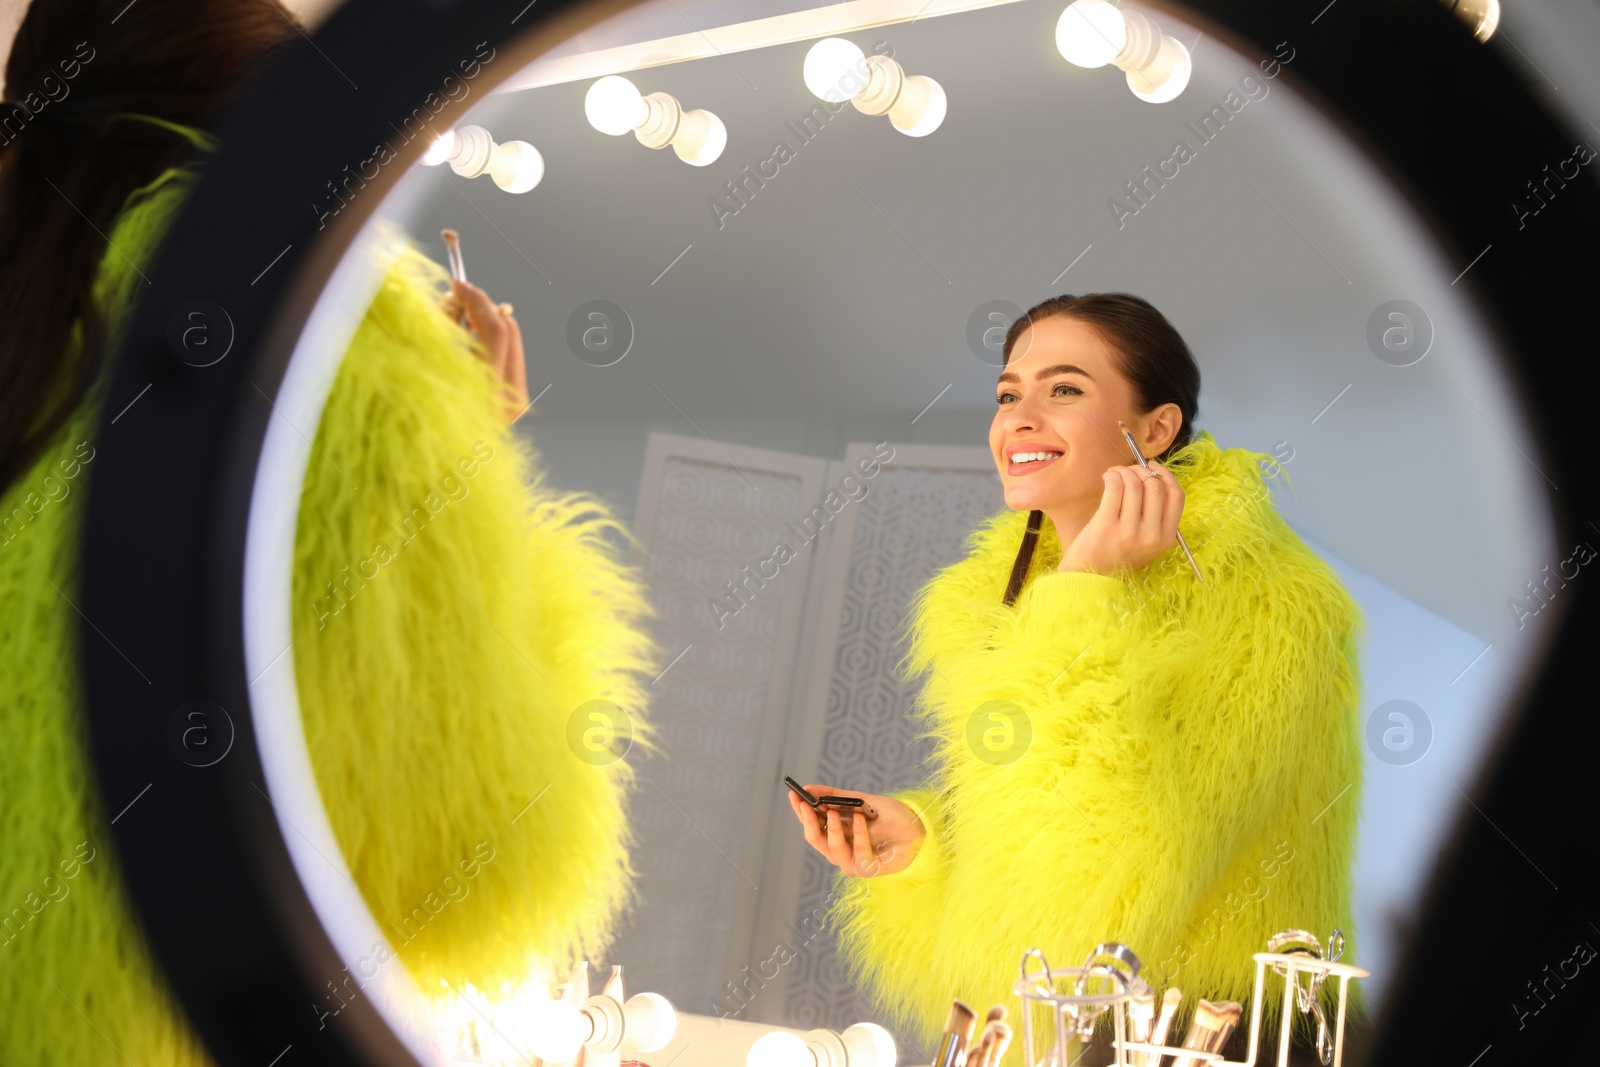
x=1048 y=372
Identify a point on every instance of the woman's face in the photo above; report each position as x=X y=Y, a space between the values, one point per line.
x=1062 y=393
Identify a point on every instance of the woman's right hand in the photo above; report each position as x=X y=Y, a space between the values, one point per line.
x=860 y=847
x=501 y=337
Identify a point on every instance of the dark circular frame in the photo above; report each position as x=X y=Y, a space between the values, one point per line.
x=162 y=550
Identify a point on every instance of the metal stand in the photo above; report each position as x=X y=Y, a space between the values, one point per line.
x=1076 y=1014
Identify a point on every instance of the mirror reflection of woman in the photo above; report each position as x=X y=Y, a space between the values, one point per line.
x=452 y=613
x=1123 y=751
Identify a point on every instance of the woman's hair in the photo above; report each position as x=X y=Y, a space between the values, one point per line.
x=1151 y=355
x=69 y=158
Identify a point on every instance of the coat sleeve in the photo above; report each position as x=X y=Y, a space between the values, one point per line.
x=1140 y=753
x=471 y=656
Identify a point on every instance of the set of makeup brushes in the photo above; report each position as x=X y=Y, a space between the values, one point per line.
x=957 y=1048
x=1212 y=1026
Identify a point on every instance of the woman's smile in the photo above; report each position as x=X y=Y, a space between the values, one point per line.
x=1028 y=462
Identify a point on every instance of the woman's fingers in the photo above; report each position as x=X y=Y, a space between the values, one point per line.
x=838 y=847
x=813 y=833
x=867 y=862
x=484 y=319
x=516 y=368
x=1167 y=498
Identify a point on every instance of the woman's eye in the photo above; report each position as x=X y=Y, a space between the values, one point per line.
x=1003 y=397
x=1064 y=385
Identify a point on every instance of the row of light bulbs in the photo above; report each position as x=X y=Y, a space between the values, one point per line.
x=647 y=1022
x=1090 y=33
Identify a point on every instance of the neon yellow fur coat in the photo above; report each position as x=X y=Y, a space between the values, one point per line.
x=436 y=687
x=1192 y=779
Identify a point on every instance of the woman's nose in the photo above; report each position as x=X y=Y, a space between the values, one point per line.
x=1021 y=416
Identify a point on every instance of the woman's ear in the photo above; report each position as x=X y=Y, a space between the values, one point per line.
x=1162 y=430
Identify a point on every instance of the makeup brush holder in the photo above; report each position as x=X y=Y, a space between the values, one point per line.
x=1054 y=1021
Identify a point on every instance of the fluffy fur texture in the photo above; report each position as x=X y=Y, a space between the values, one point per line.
x=452 y=615
x=64 y=919
x=437 y=693
x=1192 y=782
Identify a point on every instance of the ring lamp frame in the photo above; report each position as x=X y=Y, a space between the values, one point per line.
x=218 y=881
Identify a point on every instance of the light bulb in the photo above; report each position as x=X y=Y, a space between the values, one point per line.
x=651 y=1022
x=1091 y=33
x=835 y=69
x=869 y=1045
x=516 y=166
x=440 y=149
x=1491 y=20
x=613 y=105
x=920 y=107
x=1166 y=76
x=1483 y=16
x=700 y=139
x=556 y=1030
x=779 y=1049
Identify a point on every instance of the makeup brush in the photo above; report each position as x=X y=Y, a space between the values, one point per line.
x=994 y=1042
x=957 y=1035
x=1141 y=1016
x=1158 y=1035
x=1127 y=435
x=1212 y=1025
x=988 y=1037
x=458 y=271
x=981 y=1049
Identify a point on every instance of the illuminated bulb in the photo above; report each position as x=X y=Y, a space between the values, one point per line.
x=1091 y=33
x=920 y=108
x=651 y=1022
x=1166 y=76
x=613 y=105
x=914 y=103
x=779 y=1049
x=557 y=1029
x=516 y=166
x=835 y=69
x=1489 y=21
x=440 y=149
x=700 y=139
x=869 y=1045
x=1482 y=16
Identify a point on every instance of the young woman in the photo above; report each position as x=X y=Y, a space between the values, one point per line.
x=451 y=613
x=1124 y=751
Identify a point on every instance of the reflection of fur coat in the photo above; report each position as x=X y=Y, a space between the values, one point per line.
x=1181 y=776
x=451 y=614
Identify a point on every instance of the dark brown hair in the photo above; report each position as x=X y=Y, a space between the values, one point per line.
x=69 y=158
x=1152 y=356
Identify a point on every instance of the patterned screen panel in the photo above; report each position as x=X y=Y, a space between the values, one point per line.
x=705 y=514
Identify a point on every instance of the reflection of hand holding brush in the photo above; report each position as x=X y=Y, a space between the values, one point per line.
x=498 y=332
x=458 y=271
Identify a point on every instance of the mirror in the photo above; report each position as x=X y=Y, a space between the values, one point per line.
x=798 y=346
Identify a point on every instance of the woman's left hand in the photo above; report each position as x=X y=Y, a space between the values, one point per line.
x=501 y=338
x=845 y=841
x=1137 y=521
